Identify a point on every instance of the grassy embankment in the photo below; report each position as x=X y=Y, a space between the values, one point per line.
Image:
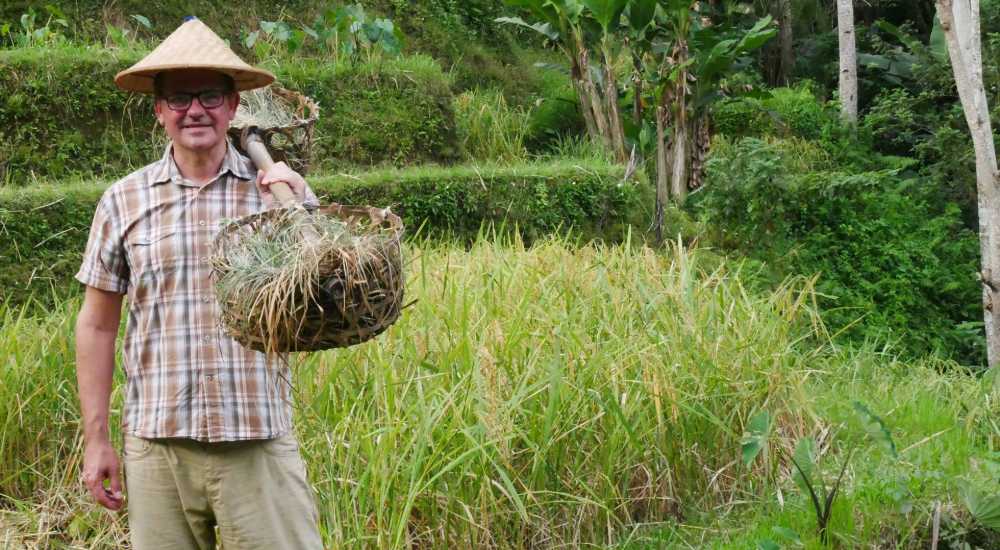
x=552 y=396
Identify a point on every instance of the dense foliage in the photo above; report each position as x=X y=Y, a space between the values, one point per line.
x=894 y=264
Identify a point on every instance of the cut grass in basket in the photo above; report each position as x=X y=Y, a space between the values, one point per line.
x=290 y=281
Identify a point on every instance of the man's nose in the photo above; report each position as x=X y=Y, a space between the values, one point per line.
x=196 y=108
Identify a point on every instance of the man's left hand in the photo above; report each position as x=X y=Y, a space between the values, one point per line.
x=280 y=172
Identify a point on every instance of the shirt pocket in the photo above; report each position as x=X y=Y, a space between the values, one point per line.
x=154 y=254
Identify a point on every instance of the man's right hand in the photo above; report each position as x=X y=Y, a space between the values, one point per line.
x=100 y=462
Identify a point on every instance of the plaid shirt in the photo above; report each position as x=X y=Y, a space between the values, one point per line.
x=151 y=238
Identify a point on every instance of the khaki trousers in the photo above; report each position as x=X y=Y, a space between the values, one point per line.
x=256 y=492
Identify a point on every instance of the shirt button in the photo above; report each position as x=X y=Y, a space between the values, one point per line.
x=206 y=299
x=206 y=339
x=201 y=223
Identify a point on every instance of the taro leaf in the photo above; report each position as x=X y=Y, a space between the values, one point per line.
x=268 y=26
x=543 y=28
x=875 y=428
x=755 y=436
x=251 y=39
x=787 y=535
x=768 y=544
x=282 y=32
x=984 y=507
x=142 y=20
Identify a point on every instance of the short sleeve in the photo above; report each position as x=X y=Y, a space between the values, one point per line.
x=104 y=263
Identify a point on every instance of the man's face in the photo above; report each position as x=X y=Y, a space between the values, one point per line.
x=197 y=128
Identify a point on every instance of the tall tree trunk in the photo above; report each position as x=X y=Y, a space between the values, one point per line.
x=594 y=95
x=637 y=91
x=615 y=128
x=662 y=177
x=679 y=156
x=961 y=25
x=848 y=62
x=582 y=96
x=785 y=39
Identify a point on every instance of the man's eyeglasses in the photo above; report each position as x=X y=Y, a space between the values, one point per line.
x=209 y=99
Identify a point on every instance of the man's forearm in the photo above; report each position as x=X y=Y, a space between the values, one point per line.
x=95 y=367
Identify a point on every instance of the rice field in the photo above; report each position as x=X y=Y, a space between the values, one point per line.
x=561 y=396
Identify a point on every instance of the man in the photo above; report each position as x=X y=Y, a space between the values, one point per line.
x=207 y=423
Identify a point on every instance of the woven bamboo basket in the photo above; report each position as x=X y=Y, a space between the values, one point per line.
x=291 y=280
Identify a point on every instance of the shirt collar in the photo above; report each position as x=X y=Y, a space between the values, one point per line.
x=234 y=163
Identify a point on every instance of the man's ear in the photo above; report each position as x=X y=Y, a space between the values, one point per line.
x=158 y=110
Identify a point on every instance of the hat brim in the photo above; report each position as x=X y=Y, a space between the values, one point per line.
x=141 y=80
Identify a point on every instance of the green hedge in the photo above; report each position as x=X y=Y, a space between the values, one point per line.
x=43 y=229
x=396 y=112
x=63 y=116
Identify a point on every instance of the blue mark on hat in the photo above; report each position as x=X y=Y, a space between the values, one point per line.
x=189 y=18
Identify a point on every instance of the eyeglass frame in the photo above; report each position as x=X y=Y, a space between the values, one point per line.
x=191 y=96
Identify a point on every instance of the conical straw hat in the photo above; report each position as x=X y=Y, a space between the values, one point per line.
x=192 y=46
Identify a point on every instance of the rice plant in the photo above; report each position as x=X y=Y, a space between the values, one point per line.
x=489 y=128
x=551 y=396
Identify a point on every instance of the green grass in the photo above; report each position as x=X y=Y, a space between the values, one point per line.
x=557 y=396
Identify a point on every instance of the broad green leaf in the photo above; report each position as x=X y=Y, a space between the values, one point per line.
x=543 y=28
x=805 y=457
x=755 y=437
x=768 y=544
x=907 y=39
x=640 y=13
x=251 y=39
x=875 y=428
x=984 y=507
x=786 y=534
x=268 y=26
x=874 y=61
x=282 y=32
x=606 y=12
x=295 y=40
x=142 y=20
x=55 y=12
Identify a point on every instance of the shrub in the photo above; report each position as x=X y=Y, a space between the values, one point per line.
x=785 y=112
x=394 y=112
x=45 y=227
x=888 y=256
x=62 y=114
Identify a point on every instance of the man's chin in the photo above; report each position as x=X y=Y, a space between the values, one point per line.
x=198 y=143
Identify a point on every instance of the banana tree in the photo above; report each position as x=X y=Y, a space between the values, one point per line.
x=693 y=54
x=578 y=28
